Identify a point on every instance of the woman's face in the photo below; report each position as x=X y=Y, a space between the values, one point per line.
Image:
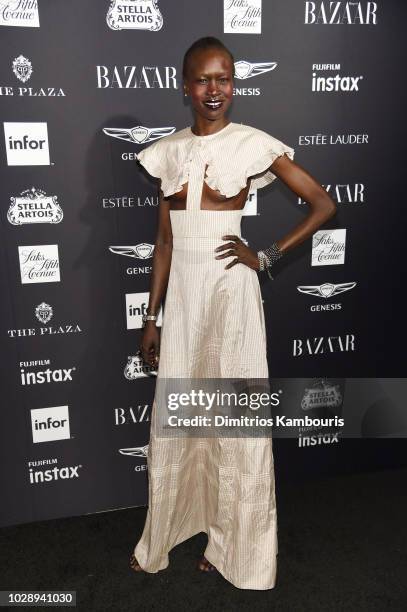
x=209 y=83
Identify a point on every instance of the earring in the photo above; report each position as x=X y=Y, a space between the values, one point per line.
x=185 y=93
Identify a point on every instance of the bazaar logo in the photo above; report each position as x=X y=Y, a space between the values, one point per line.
x=247 y=70
x=134 y=15
x=34 y=206
x=22 y=68
x=136 y=368
x=242 y=16
x=139 y=134
x=326 y=290
x=136 y=77
x=21 y=13
x=339 y=13
x=140 y=251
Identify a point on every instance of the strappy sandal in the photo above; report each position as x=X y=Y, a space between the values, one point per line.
x=208 y=566
x=133 y=563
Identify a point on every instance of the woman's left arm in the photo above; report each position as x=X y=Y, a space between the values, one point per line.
x=322 y=207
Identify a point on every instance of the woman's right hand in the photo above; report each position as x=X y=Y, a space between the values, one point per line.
x=150 y=344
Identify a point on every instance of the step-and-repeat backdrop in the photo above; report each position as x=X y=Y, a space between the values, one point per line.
x=84 y=86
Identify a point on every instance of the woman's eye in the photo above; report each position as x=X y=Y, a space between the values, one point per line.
x=223 y=79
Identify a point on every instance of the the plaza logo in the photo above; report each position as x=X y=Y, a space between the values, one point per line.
x=20 y=13
x=44 y=313
x=332 y=139
x=242 y=16
x=328 y=247
x=136 y=306
x=136 y=77
x=134 y=15
x=323 y=345
x=326 y=290
x=30 y=375
x=34 y=206
x=340 y=13
x=26 y=144
x=136 y=368
x=247 y=70
x=139 y=134
x=51 y=474
x=49 y=424
x=126 y=416
x=333 y=83
x=23 y=70
x=39 y=263
x=139 y=251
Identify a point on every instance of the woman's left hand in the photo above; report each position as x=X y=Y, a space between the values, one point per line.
x=241 y=253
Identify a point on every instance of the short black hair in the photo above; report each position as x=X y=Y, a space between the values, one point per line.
x=207 y=42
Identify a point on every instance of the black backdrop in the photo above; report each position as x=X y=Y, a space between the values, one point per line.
x=66 y=76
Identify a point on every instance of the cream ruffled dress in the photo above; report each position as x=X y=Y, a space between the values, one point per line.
x=213 y=327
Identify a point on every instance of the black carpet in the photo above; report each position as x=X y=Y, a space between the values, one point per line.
x=342 y=546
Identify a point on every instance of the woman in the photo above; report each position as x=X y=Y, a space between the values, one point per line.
x=213 y=324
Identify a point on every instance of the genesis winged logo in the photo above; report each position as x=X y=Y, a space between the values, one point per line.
x=137 y=451
x=139 y=134
x=326 y=290
x=140 y=251
x=247 y=70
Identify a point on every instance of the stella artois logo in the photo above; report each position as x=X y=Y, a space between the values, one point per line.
x=44 y=312
x=136 y=368
x=322 y=395
x=22 y=68
x=34 y=206
x=134 y=15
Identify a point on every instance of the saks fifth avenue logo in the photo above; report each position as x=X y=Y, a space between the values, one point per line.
x=332 y=139
x=49 y=424
x=247 y=70
x=139 y=134
x=34 y=206
x=326 y=290
x=126 y=416
x=345 y=193
x=333 y=83
x=136 y=77
x=20 y=13
x=340 y=13
x=134 y=15
x=242 y=16
x=38 y=475
x=39 y=264
x=44 y=313
x=31 y=375
x=328 y=247
x=26 y=144
x=136 y=307
x=322 y=395
x=323 y=345
x=136 y=368
x=23 y=70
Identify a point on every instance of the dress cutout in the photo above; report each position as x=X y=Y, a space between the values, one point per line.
x=213 y=326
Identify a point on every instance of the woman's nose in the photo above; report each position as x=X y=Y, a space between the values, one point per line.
x=213 y=87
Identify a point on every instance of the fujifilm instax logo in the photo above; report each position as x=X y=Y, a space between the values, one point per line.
x=26 y=144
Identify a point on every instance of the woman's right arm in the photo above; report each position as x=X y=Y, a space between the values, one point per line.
x=159 y=280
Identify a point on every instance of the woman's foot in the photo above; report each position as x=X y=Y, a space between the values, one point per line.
x=205 y=566
x=134 y=564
